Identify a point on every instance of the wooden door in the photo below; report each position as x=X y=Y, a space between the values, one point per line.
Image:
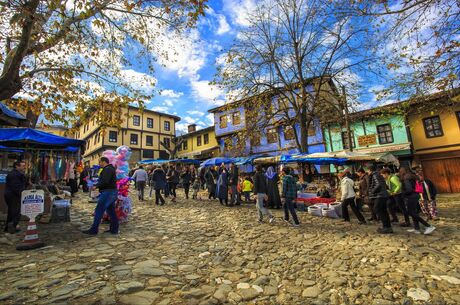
x=452 y=167
x=435 y=170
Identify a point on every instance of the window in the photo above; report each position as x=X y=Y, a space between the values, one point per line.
x=283 y=104
x=113 y=136
x=149 y=141
x=272 y=135
x=198 y=140
x=133 y=139
x=311 y=130
x=185 y=145
x=385 y=134
x=206 y=138
x=223 y=121
x=458 y=117
x=147 y=153
x=255 y=139
x=167 y=126
x=236 y=118
x=136 y=120
x=167 y=142
x=345 y=140
x=433 y=127
x=289 y=133
x=149 y=123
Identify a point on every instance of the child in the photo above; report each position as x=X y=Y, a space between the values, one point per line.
x=247 y=189
x=196 y=188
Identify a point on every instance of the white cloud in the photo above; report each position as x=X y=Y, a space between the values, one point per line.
x=168 y=103
x=210 y=94
x=160 y=109
x=139 y=81
x=189 y=120
x=224 y=27
x=210 y=117
x=196 y=112
x=171 y=93
x=240 y=10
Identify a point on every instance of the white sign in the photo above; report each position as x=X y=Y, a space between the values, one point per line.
x=32 y=203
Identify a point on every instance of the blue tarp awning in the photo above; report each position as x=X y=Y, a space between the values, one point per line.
x=15 y=136
x=12 y=114
x=186 y=161
x=153 y=161
x=217 y=161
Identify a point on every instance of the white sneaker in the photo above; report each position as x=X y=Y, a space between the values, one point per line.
x=295 y=225
x=272 y=219
x=411 y=230
x=417 y=232
x=429 y=230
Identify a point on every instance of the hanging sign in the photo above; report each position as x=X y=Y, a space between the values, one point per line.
x=32 y=203
x=367 y=140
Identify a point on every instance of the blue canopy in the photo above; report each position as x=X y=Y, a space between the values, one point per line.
x=4 y=148
x=217 y=161
x=12 y=114
x=186 y=161
x=15 y=136
x=153 y=161
x=247 y=160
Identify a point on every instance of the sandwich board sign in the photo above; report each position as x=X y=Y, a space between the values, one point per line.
x=32 y=203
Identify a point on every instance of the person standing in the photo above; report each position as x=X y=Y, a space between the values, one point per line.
x=289 y=194
x=16 y=182
x=260 y=190
x=211 y=179
x=173 y=180
x=379 y=195
x=233 y=182
x=364 y=193
x=222 y=185
x=395 y=200
x=412 y=202
x=186 y=177
x=140 y=176
x=84 y=176
x=274 y=200
x=158 y=182
x=428 y=201
x=247 y=189
x=348 y=198
x=107 y=185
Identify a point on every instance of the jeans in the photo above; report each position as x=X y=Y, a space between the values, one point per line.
x=260 y=207
x=186 y=189
x=14 y=210
x=234 y=198
x=412 y=208
x=380 y=208
x=158 y=197
x=140 y=189
x=289 y=207
x=351 y=202
x=172 y=188
x=247 y=196
x=106 y=202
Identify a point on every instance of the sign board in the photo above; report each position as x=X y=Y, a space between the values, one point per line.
x=32 y=203
x=367 y=140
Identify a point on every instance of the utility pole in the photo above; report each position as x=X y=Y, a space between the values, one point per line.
x=347 y=119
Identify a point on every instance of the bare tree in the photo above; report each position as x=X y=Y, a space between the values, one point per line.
x=172 y=149
x=285 y=64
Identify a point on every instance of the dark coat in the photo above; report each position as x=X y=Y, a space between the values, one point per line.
x=408 y=187
x=107 y=179
x=16 y=182
x=186 y=178
x=233 y=178
x=273 y=192
x=260 y=183
x=211 y=178
x=431 y=188
x=377 y=186
x=173 y=176
x=222 y=185
x=364 y=186
x=158 y=179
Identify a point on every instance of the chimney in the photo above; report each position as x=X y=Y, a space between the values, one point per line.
x=191 y=128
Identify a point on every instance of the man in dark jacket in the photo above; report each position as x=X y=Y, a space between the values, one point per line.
x=172 y=176
x=15 y=183
x=379 y=195
x=158 y=181
x=107 y=185
x=289 y=194
x=186 y=178
x=260 y=190
x=233 y=182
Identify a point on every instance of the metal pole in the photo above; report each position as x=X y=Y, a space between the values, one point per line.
x=347 y=119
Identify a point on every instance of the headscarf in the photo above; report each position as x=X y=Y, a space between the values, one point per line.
x=270 y=173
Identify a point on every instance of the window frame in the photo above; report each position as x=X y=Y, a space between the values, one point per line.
x=386 y=136
x=167 y=142
x=236 y=116
x=223 y=121
x=424 y=120
x=292 y=130
x=111 y=132
x=185 y=145
x=198 y=140
x=275 y=133
x=149 y=155
x=138 y=119
x=147 y=141
x=206 y=138
x=168 y=124
x=149 y=120
x=344 y=140
x=131 y=139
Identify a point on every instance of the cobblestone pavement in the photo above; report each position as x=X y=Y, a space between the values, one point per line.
x=199 y=252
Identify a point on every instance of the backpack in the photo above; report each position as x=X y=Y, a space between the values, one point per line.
x=418 y=187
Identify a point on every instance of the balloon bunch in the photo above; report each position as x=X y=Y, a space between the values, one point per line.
x=123 y=154
x=123 y=187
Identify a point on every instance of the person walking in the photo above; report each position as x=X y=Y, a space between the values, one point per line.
x=211 y=179
x=273 y=193
x=247 y=189
x=107 y=185
x=363 y=198
x=395 y=199
x=222 y=185
x=84 y=176
x=141 y=177
x=16 y=182
x=186 y=177
x=379 y=195
x=428 y=201
x=260 y=190
x=289 y=194
x=158 y=181
x=196 y=188
x=412 y=197
x=348 y=198
x=172 y=176
x=233 y=182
